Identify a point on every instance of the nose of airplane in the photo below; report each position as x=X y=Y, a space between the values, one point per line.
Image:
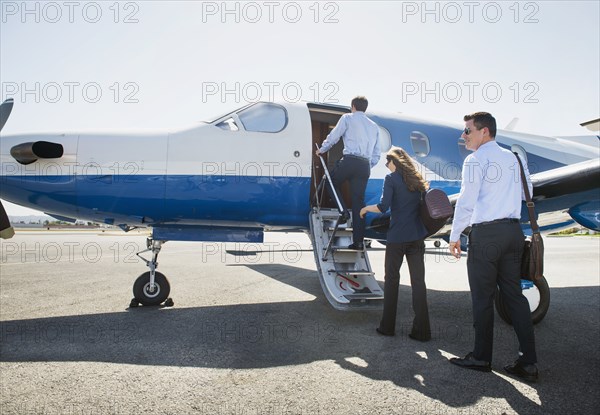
x=24 y=153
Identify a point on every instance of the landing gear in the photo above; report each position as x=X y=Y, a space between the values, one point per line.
x=152 y=287
x=537 y=294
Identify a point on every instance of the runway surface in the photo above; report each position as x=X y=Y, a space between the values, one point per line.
x=252 y=333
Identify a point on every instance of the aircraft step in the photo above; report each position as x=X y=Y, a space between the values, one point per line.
x=369 y=296
x=345 y=274
x=343 y=230
x=345 y=249
x=352 y=272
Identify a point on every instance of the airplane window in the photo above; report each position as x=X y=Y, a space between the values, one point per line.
x=420 y=143
x=264 y=117
x=228 y=124
x=385 y=140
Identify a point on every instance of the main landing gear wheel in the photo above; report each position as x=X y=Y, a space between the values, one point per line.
x=146 y=294
x=538 y=296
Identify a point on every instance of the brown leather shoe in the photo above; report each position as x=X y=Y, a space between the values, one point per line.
x=525 y=371
x=469 y=362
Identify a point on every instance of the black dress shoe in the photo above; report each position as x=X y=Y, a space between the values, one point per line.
x=469 y=362
x=383 y=333
x=419 y=338
x=357 y=247
x=343 y=218
x=525 y=371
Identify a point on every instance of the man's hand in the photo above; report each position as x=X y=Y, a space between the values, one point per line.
x=363 y=212
x=318 y=152
x=454 y=248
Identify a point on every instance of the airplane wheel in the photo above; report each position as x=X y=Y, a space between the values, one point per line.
x=538 y=295
x=142 y=293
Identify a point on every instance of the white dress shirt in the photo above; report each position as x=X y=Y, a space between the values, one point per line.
x=361 y=137
x=491 y=188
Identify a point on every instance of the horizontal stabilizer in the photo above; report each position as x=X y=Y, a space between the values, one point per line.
x=512 y=124
x=593 y=125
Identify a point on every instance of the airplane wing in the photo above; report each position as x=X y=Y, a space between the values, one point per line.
x=574 y=178
x=562 y=181
x=574 y=188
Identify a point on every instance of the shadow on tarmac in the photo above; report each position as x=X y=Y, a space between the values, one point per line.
x=247 y=336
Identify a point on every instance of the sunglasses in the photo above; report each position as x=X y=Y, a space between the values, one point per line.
x=468 y=131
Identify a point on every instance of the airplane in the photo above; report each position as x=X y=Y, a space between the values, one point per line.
x=254 y=170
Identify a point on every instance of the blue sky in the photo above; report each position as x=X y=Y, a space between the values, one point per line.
x=154 y=64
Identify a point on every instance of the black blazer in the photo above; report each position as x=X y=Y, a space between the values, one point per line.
x=405 y=224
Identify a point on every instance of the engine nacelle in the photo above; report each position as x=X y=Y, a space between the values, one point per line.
x=587 y=214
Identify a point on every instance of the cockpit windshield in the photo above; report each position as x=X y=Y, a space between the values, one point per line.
x=264 y=117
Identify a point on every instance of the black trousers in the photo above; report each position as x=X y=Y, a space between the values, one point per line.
x=494 y=258
x=356 y=171
x=415 y=256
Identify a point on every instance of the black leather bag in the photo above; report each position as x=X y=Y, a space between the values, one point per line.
x=435 y=210
x=532 y=261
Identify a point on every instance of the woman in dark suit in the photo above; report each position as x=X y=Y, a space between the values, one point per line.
x=405 y=237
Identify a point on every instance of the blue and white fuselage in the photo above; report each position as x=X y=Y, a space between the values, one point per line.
x=250 y=169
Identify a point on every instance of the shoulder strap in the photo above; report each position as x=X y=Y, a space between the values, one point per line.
x=530 y=205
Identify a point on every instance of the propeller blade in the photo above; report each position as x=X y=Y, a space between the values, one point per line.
x=6 y=231
x=5 y=110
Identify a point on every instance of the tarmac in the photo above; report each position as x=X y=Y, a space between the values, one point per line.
x=252 y=333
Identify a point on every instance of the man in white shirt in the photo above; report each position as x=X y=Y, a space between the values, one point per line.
x=361 y=153
x=490 y=202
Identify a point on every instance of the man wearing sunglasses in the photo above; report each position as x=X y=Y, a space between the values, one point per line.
x=361 y=153
x=490 y=203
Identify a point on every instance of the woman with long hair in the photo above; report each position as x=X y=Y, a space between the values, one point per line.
x=402 y=190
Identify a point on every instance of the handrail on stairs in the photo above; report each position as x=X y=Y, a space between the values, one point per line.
x=327 y=177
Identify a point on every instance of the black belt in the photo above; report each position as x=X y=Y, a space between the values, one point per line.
x=495 y=222
x=357 y=157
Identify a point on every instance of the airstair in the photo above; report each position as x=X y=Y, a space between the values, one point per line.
x=346 y=276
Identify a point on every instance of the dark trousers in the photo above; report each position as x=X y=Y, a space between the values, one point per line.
x=494 y=259
x=356 y=171
x=415 y=256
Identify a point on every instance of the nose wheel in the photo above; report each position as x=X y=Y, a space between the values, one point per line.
x=146 y=293
x=151 y=288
